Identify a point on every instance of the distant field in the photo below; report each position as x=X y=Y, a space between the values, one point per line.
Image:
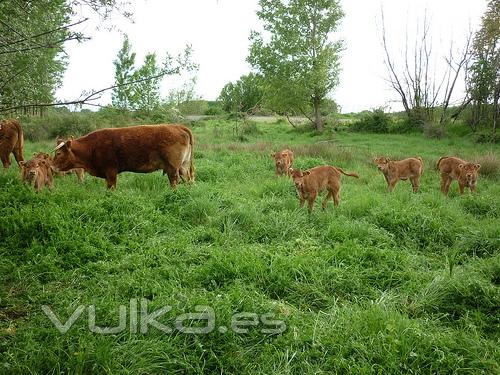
x=386 y=283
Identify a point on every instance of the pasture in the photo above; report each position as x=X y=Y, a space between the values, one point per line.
x=386 y=283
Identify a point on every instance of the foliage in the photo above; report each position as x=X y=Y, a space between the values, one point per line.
x=122 y=96
x=483 y=83
x=376 y=121
x=245 y=95
x=299 y=63
x=361 y=288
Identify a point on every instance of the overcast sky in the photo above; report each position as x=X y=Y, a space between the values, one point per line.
x=218 y=31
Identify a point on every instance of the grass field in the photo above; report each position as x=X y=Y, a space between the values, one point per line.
x=387 y=283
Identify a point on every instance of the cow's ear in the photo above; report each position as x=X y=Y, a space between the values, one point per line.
x=307 y=173
x=68 y=144
x=460 y=166
x=477 y=166
x=72 y=137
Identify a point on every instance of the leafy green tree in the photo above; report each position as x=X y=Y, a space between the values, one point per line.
x=32 y=40
x=122 y=95
x=146 y=89
x=243 y=96
x=484 y=78
x=299 y=62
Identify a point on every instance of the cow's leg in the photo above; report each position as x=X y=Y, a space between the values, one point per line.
x=325 y=201
x=111 y=179
x=461 y=187
x=173 y=175
x=18 y=154
x=5 y=160
x=392 y=183
x=445 y=184
x=310 y=201
x=415 y=183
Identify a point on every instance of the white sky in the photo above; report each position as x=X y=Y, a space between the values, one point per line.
x=218 y=31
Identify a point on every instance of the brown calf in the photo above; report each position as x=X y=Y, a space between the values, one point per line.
x=453 y=168
x=315 y=180
x=395 y=170
x=283 y=161
x=38 y=173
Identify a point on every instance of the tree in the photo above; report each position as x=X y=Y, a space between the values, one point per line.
x=243 y=96
x=32 y=57
x=299 y=63
x=483 y=83
x=122 y=95
x=146 y=92
x=415 y=78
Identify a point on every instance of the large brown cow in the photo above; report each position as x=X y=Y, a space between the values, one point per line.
x=146 y=148
x=11 y=140
x=396 y=170
x=315 y=180
x=453 y=168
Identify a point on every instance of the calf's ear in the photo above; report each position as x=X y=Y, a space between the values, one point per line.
x=461 y=166
x=478 y=167
x=307 y=173
x=22 y=163
x=273 y=154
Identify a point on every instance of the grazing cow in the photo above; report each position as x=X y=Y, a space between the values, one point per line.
x=146 y=148
x=283 y=161
x=11 y=140
x=395 y=170
x=79 y=172
x=315 y=180
x=38 y=173
x=453 y=168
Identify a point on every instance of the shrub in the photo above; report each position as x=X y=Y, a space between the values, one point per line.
x=486 y=137
x=376 y=121
x=490 y=164
x=432 y=130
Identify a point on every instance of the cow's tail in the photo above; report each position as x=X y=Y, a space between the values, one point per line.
x=18 y=148
x=439 y=161
x=191 y=156
x=422 y=163
x=353 y=174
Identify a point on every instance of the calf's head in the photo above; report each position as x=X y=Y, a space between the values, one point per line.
x=382 y=164
x=298 y=177
x=470 y=172
x=33 y=168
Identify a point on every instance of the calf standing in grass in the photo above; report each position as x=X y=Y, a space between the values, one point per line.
x=283 y=161
x=453 y=168
x=38 y=173
x=315 y=180
x=395 y=170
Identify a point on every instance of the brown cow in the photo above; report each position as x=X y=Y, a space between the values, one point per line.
x=11 y=140
x=464 y=172
x=395 y=170
x=315 y=180
x=79 y=172
x=283 y=161
x=38 y=173
x=146 y=148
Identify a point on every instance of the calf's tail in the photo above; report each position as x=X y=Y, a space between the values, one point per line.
x=352 y=174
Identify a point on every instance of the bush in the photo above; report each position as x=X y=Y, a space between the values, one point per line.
x=490 y=164
x=486 y=137
x=376 y=121
x=432 y=130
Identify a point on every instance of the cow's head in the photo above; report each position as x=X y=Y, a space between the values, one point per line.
x=298 y=177
x=33 y=168
x=470 y=172
x=64 y=158
x=382 y=163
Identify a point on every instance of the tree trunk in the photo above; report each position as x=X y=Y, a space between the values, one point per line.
x=318 y=121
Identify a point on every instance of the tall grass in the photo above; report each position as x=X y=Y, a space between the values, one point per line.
x=385 y=283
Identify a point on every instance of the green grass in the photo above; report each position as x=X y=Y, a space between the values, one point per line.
x=386 y=283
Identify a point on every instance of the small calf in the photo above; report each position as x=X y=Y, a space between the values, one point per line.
x=395 y=170
x=315 y=180
x=453 y=168
x=38 y=173
x=283 y=161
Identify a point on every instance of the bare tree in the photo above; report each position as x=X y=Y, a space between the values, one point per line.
x=418 y=81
